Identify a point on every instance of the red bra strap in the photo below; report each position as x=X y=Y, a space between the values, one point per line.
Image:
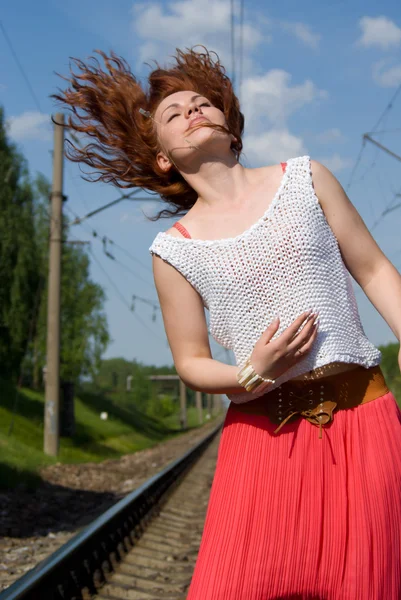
x=181 y=229
x=283 y=166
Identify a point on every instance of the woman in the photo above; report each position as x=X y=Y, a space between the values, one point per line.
x=306 y=498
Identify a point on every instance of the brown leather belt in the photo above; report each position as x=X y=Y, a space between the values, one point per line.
x=315 y=400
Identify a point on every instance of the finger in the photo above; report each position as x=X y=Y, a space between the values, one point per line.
x=305 y=348
x=291 y=331
x=270 y=331
x=303 y=336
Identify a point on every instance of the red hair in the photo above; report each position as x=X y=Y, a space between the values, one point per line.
x=104 y=105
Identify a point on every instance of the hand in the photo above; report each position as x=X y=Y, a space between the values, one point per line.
x=272 y=359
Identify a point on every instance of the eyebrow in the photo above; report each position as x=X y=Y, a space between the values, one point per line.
x=176 y=103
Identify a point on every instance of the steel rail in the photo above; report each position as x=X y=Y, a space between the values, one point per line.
x=78 y=568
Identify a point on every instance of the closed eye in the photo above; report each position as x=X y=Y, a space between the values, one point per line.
x=177 y=114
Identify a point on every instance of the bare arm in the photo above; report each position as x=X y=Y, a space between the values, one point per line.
x=376 y=275
x=186 y=330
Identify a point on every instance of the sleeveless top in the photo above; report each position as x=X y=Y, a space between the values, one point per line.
x=287 y=262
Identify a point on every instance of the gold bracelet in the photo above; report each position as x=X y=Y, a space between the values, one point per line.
x=250 y=380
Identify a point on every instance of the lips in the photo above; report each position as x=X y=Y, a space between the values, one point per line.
x=195 y=121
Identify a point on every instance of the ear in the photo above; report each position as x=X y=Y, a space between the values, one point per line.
x=163 y=162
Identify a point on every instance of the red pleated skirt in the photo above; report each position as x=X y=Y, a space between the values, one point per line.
x=292 y=516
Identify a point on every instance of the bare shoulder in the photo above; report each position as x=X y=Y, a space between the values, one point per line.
x=169 y=281
x=173 y=231
x=321 y=175
x=166 y=275
x=328 y=189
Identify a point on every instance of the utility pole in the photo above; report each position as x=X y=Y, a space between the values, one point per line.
x=198 y=401
x=52 y=393
x=209 y=404
x=183 y=405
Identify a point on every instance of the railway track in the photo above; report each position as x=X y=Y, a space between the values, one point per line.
x=144 y=547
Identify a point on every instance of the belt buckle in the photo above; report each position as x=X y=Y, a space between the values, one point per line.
x=301 y=401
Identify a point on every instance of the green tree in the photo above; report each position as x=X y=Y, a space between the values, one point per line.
x=147 y=396
x=84 y=331
x=19 y=273
x=390 y=368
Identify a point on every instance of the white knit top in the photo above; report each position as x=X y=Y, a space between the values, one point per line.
x=287 y=262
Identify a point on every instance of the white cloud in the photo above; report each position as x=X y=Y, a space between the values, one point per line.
x=31 y=125
x=271 y=98
x=336 y=163
x=274 y=146
x=186 y=23
x=302 y=32
x=330 y=135
x=387 y=76
x=379 y=32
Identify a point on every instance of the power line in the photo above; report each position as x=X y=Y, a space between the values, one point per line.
x=96 y=233
x=145 y=301
x=241 y=46
x=395 y=130
x=104 y=241
x=122 y=197
x=78 y=191
x=128 y=196
x=154 y=305
x=385 y=112
x=131 y=256
x=232 y=44
x=388 y=208
x=388 y=107
x=20 y=67
x=121 y=296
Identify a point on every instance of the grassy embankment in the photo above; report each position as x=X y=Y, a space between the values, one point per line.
x=126 y=430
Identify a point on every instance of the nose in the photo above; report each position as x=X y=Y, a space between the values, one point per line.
x=192 y=108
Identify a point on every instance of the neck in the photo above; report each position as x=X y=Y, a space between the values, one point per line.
x=220 y=182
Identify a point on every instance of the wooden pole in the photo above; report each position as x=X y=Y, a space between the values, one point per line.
x=52 y=389
x=183 y=405
x=198 y=400
x=209 y=403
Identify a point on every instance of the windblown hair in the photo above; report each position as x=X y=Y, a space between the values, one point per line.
x=105 y=106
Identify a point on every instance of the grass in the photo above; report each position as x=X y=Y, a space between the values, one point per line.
x=125 y=431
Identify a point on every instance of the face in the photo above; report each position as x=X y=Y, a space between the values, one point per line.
x=176 y=118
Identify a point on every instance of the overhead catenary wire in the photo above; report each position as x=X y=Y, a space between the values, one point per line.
x=232 y=32
x=241 y=48
x=103 y=240
x=78 y=191
x=369 y=168
x=374 y=130
x=95 y=211
x=97 y=234
x=20 y=68
x=388 y=108
x=388 y=207
x=122 y=197
x=122 y=298
x=147 y=301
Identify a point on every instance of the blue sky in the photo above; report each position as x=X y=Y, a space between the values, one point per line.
x=316 y=76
